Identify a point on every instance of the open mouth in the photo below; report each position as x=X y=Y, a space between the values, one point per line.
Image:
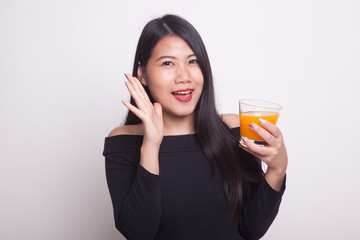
x=183 y=95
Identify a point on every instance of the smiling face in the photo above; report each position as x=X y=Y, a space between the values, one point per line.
x=173 y=77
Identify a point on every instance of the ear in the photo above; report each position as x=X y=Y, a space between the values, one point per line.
x=141 y=74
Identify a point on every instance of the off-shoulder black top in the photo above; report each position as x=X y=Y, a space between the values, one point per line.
x=184 y=201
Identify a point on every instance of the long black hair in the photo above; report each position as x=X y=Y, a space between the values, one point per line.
x=219 y=144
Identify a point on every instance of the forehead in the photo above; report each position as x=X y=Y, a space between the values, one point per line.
x=172 y=46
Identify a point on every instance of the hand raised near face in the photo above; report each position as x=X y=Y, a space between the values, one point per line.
x=150 y=114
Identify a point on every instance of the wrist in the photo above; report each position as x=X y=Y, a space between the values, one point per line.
x=275 y=178
x=150 y=147
x=280 y=172
x=152 y=142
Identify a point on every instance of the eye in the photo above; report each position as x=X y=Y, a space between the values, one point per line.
x=167 y=63
x=193 y=61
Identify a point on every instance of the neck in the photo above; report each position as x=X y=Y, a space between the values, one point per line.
x=174 y=125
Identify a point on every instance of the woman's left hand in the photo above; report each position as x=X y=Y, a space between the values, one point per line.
x=274 y=154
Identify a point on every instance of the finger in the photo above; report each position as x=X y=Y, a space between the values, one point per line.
x=158 y=109
x=242 y=142
x=142 y=101
x=138 y=88
x=141 y=87
x=256 y=149
x=138 y=100
x=272 y=128
x=244 y=146
x=134 y=88
x=133 y=109
x=268 y=138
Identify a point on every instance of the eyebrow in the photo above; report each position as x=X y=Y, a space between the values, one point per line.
x=173 y=57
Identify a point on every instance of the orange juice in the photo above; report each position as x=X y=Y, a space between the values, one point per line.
x=248 y=117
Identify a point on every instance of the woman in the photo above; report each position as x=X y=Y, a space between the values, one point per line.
x=175 y=170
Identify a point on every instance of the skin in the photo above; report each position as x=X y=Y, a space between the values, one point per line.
x=274 y=154
x=171 y=67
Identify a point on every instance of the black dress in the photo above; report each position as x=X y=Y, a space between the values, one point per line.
x=184 y=201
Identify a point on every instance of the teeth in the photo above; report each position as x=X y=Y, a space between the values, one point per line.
x=183 y=93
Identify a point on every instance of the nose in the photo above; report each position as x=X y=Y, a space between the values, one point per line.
x=183 y=74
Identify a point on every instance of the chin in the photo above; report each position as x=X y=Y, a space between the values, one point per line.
x=183 y=113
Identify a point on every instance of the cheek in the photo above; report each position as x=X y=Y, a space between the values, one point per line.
x=197 y=74
x=201 y=84
x=157 y=89
x=159 y=78
x=200 y=79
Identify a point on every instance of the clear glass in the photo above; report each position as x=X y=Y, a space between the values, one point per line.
x=250 y=110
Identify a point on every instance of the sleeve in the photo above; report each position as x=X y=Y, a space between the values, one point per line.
x=260 y=210
x=135 y=195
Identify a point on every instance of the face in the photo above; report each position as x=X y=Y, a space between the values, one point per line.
x=174 y=77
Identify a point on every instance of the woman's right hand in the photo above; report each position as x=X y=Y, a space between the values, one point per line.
x=150 y=114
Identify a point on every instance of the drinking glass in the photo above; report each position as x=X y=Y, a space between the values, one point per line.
x=250 y=110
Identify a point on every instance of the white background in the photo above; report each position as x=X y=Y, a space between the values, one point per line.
x=61 y=83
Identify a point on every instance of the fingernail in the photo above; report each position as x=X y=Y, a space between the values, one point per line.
x=262 y=121
x=244 y=139
x=242 y=142
x=252 y=125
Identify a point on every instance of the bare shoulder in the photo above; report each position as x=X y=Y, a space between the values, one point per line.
x=127 y=130
x=231 y=120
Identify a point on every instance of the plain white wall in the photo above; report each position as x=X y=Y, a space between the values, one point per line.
x=61 y=83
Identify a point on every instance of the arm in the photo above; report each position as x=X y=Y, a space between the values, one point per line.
x=135 y=191
x=260 y=210
x=274 y=154
x=135 y=195
x=151 y=117
x=263 y=206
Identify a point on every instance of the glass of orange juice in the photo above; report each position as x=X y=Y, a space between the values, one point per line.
x=250 y=110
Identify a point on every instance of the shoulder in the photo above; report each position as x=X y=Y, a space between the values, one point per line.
x=231 y=120
x=127 y=130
